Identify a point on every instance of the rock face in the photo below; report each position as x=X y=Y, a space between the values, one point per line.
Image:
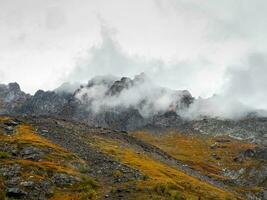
x=120 y=85
x=166 y=120
x=11 y=98
x=44 y=103
x=123 y=103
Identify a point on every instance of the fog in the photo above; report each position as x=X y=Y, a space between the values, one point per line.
x=242 y=92
x=105 y=93
x=248 y=83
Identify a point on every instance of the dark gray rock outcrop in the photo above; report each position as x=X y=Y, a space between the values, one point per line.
x=44 y=103
x=11 y=98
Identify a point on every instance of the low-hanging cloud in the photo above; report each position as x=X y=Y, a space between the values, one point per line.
x=217 y=106
x=242 y=92
x=1 y=76
x=248 y=83
x=105 y=93
x=108 y=57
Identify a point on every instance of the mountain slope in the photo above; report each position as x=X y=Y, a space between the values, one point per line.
x=124 y=103
x=32 y=167
x=111 y=151
x=124 y=166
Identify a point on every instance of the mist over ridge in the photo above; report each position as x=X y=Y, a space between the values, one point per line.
x=125 y=100
x=238 y=96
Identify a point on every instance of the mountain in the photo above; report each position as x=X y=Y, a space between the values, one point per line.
x=121 y=138
x=44 y=103
x=11 y=98
x=127 y=104
x=124 y=104
x=105 y=101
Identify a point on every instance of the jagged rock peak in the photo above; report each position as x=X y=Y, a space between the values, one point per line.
x=119 y=85
x=11 y=97
x=14 y=87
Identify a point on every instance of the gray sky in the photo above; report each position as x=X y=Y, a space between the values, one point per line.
x=182 y=44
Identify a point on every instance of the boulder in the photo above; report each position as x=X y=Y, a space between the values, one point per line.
x=15 y=192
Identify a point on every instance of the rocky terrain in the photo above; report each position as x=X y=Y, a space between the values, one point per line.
x=32 y=167
x=122 y=138
x=101 y=102
x=46 y=157
x=11 y=98
x=104 y=102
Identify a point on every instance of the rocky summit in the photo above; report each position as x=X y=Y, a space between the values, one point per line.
x=124 y=104
x=122 y=138
x=11 y=98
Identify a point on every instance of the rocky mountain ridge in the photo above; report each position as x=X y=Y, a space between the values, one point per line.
x=11 y=98
x=127 y=104
x=131 y=135
x=82 y=104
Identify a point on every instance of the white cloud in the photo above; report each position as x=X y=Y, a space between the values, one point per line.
x=139 y=93
x=247 y=83
x=181 y=44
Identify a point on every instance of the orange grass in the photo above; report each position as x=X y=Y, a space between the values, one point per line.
x=58 y=160
x=160 y=173
x=196 y=150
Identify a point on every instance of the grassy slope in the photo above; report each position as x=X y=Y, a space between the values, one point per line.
x=196 y=151
x=163 y=182
x=57 y=161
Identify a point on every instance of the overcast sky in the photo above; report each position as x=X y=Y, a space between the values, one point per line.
x=209 y=46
